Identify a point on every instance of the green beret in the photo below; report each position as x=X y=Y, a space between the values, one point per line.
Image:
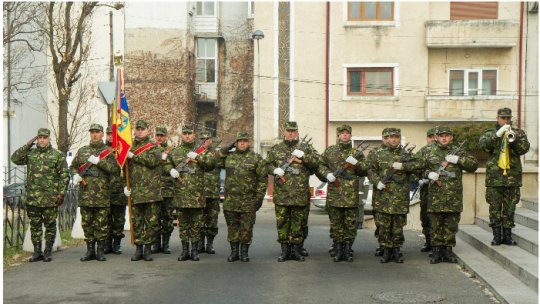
x=431 y=131
x=109 y=130
x=44 y=132
x=161 y=131
x=391 y=131
x=96 y=127
x=242 y=135
x=444 y=130
x=504 y=112
x=205 y=134
x=141 y=124
x=291 y=126
x=343 y=128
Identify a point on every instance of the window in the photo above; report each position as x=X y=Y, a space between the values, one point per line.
x=467 y=10
x=370 y=11
x=370 y=81
x=206 y=8
x=473 y=82
x=206 y=60
x=211 y=126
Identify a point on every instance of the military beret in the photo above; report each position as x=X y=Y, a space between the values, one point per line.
x=109 y=130
x=444 y=130
x=291 y=126
x=141 y=124
x=161 y=131
x=43 y=132
x=504 y=112
x=431 y=131
x=391 y=131
x=187 y=129
x=205 y=134
x=96 y=127
x=343 y=128
x=242 y=135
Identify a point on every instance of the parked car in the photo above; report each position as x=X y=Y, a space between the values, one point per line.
x=13 y=194
x=222 y=185
x=318 y=198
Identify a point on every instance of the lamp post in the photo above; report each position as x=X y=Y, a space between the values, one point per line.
x=258 y=35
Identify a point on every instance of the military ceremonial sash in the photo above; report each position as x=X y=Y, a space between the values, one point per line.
x=102 y=155
x=143 y=148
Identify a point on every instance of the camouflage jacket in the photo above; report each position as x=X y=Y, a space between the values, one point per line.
x=211 y=180
x=295 y=191
x=245 y=180
x=144 y=173
x=421 y=154
x=118 y=182
x=346 y=195
x=394 y=199
x=189 y=189
x=97 y=191
x=167 y=181
x=449 y=196
x=490 y=143
x=46 y=174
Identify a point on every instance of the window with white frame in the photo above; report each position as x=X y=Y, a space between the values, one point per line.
x=370 y=81
x=370 y=11
x=206 y=8
x=472 y=82
x=206 y=59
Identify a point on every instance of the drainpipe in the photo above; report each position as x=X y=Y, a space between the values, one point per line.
x=520 y=72
x=327 y=71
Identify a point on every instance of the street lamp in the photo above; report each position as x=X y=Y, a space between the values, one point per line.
x=258 y=35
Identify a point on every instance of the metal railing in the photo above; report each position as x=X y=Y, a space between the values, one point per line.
x=14 y=175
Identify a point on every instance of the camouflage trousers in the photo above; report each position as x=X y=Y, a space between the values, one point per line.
x=502 y=205
x=39 y=216
x=117 y=220
x=95 y=223
x=144 y=218
x=343 y=223
x=444 y=226
x=165 y=220
x=190 y=224
x=390 y=229
x=239 y=226
x=290 y=223
x=305 y=229
x=210 y=216
x=424 y=218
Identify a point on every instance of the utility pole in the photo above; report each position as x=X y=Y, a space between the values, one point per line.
x=9 y=96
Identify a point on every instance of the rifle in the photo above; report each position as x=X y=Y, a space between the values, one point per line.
x=442 y=168
x=287 y=165
x=342 y=171
x=182 y=166
x=404 y=157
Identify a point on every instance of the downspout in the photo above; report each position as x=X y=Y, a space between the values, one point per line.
x=520 y=63
x=327 y=73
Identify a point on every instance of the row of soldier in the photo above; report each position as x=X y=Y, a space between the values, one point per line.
x=185 y=179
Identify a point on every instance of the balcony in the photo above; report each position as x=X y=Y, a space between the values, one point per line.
x=206 y=26
x=468 y=108
x=206 y=92
x=472 y=33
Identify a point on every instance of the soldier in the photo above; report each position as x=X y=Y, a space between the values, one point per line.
x=92 y=167
x=165 y=220
x=291 y=162
x=187 y=163
x=505 y=145
x=211 y=209
x=117 y=214
x=245 y=186
x=342 y=201
x=144 y=177
x=387 y=170
x=445 y=162
x=47 y=179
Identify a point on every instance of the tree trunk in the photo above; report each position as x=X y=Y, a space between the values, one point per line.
x=63 y=135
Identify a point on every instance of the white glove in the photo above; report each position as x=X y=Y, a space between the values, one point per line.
x=502 y=130
x=397 y=166
x=298 y=153
x=452 y=158
x=434 y=176
x=423 y=181
x=192 y=155
x=164 y=156
x=351 y=160
x=381 y=186
x=93 y=159
x=174 y=173
x=77 y=179
x=127 y=192
x=130 y=155
x=279 y=172
x=330 y=177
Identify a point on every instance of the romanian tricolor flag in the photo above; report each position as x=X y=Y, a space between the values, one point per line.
x=121 y=124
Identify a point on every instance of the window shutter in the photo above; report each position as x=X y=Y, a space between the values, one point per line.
x=473 y=10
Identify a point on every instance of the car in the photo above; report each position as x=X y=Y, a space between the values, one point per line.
x=221 y=185
x=318 y=197
x=13 y=194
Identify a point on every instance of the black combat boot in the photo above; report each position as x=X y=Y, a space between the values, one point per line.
x=38 y=254
x=138 y=253
x=200 y=246
x=165 y=244
x=333 y=249
x=448 y=255
x=234 y=252
x=303 y=250
x=379 y=251
x=244 y=249
x=184 y=256
x=195 y=250
x=100 y=254
x=507 y=237
x=108 y=246
x=116 y=245
x=285 y=253
x=386 y=254
x=156 y=247
x=497 y=237
x=90 y=252
x=148 y=253
x=210 y=244
x=295 y=253
x=396 y=255
x=427 y=245
x=48 y=251
x=339 y=252
x=436 y=255
x=347 y=252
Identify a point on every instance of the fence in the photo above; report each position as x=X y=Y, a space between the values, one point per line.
x=17 y=174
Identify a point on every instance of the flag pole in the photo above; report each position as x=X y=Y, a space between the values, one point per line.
x=129 y=203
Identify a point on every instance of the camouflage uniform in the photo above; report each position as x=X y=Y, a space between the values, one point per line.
x=292 y=197
x=502 y=192
x=47 y=179
x=117 y=213
x=94 y=196
x=445 y=201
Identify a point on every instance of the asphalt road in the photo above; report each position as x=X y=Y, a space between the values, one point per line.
x=263 y=280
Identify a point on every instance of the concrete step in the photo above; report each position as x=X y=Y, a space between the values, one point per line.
x=506 y=287
x=526 y=237
x=520 y=263
x=530 y=203
x=527 y=218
